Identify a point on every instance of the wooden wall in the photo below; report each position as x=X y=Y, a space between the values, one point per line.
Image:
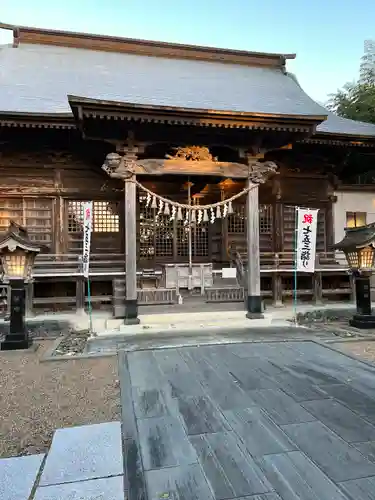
x=43 y=189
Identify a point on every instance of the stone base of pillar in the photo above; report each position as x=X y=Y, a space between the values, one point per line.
x=131 y=312
x=254 y=307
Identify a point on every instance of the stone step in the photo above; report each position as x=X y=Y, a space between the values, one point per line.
x=83 y=462
x=18 y=476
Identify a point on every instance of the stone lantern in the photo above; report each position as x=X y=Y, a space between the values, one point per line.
x=17 y=253
x=358 y=247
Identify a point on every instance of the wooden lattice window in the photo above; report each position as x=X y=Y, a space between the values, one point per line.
x=199 y=239
x=237 y=220
x=265 y=219
x=156 y=232
x=35 y=214
x=106 y=217
x=160 y=236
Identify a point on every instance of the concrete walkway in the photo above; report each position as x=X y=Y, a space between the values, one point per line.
x=199 y=315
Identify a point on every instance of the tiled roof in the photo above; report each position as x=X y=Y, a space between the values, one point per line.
x=342 y=126
x=38 y=78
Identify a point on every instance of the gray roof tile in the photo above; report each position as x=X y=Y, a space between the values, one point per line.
x=38 y=78
x=338 y=125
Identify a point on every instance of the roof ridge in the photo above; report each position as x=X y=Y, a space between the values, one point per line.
x=110 y=43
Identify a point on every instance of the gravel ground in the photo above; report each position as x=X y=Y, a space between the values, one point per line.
x=362 y=349
x=38 y=398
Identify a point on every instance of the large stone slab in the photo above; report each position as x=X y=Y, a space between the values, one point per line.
x=164 y=443
x=230 y=472
x=175 y=483
x=351 y=427
x=360 y=489
x=84 y=452
x=280 y=407
x=109 y=488
x=335 y=457
x=18 y=475
x=259 y=433
x=294 y=476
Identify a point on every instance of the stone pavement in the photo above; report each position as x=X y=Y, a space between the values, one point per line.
x=246 y=420
x=254 y=421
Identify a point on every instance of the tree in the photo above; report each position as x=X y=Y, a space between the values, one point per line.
x=357 y=100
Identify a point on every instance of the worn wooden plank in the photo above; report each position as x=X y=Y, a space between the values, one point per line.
x=178 y=483
x=164 y=443
x=200 y=415
x=341 y=420
x=280 y=407
x=360 y=489
x=333 y=455
x=230 y=472
x=259 y=433
x=295 y=477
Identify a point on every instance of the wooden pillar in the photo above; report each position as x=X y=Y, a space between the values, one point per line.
x=131 y=303
x=254 y=300
x=277 y=286
x=278 y=223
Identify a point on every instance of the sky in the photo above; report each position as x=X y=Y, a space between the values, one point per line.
x=327 y=35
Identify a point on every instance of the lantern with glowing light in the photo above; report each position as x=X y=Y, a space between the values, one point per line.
x=358 y=246
x=17 y=253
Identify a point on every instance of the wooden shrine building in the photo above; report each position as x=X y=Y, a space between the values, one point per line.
x=151 y=132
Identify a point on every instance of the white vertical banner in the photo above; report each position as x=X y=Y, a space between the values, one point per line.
x=87 y=228
x=307 y=223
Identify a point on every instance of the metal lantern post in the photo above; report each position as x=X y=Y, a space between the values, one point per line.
x=358 y=246
x=17 y=253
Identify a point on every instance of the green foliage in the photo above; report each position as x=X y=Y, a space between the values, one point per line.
x=357 y=100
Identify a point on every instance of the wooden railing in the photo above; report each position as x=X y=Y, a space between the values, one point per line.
x=65 y=265
x=59 y=284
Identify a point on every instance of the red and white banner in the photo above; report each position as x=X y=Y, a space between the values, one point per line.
x=307 y=223
x=87 y=228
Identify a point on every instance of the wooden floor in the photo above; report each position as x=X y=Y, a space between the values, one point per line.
x=265 y=421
